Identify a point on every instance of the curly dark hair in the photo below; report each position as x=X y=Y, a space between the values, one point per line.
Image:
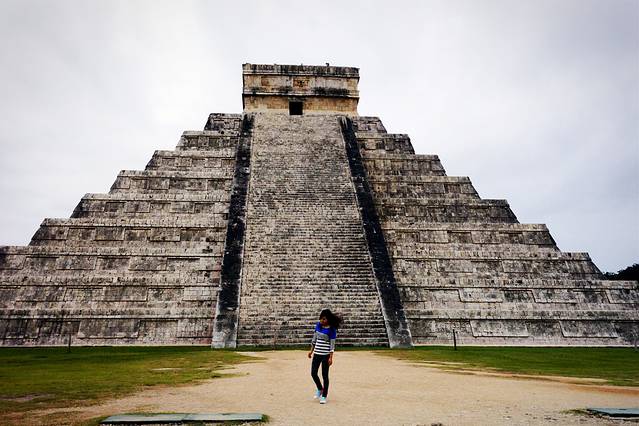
x=334 y=320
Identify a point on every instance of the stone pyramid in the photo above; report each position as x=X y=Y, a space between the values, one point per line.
x=244 y=232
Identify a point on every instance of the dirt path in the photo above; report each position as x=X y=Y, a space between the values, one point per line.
x=372 y=389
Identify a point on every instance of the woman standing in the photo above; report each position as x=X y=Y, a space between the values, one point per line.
x=322 y=348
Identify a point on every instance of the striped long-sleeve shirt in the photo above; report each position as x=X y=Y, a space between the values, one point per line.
x=323 y=340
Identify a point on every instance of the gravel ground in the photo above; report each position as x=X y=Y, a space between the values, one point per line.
x=369 y=389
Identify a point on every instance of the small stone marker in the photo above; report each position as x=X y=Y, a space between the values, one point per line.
x=616 y=412
x=181 y=418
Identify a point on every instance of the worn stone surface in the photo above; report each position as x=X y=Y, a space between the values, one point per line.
x=285 y=217
x=466 y=264
x=139 y=265
x=305 y=246
x=320 y=90
x=181 y=418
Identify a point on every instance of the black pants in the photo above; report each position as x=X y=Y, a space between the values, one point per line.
x=317 y=360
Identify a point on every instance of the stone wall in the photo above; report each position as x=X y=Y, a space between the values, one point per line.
x=464 y=263
x=322 y=90
x=139 y=265
x=311 y=104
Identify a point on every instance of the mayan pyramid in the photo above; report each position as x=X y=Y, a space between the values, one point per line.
x=245 y=231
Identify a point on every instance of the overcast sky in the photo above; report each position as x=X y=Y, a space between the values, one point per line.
x=536 y=101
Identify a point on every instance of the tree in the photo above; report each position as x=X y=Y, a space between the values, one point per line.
x=631 y=273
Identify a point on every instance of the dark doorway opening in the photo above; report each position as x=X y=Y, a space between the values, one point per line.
x=295 y=107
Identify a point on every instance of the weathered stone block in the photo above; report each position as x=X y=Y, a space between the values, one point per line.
x=12 y=261
x=597 y=329
x=41 y=263
x=111 y=328
x=147 y=263
x=41 y=294
x=480 y=295
x=518 y=296
x=623 y=295
x=504 y=328
x=18 y=329
x=76 y=262
x=83 y=294
x=109 y=233
x=165 y=294
x=116 y=263
x=198 y=293
x=81 y=234
x=158 y=330
x=121 y=293
x=50 y=233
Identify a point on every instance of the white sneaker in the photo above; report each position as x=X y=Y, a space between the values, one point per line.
x=318 y=393
x=323 y=400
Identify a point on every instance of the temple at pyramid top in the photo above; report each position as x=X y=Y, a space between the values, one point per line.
x=300 y=89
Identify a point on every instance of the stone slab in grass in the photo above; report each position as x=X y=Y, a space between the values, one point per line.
x=123 y=419
x=616 y=412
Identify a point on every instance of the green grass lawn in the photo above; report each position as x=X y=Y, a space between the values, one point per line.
x=35 y=378
x=618 y=366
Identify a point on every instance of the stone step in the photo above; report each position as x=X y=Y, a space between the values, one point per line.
x=520 y=249
x=98 y=251
x=216 y=173
x=95 y=303
x=12 y=278
x=413 y=308
x=409 y=277
x=214 y=144
x=290 y=338
x=589 y=315
x=210 y=139
x=310 y=307
x=396 y=180
x=338 y=301
x=368 y=124
x=465 y=235
x=92 y=280
x=222 y=123
x=288 y=286
x=419 y=211
x=441 y=252
x=538 y=294
x=152 y=222
x=304 y=335
x=222 y=160
x=479 y=227
x=195 y=206
x=174 y=232
x=333 y=257
x=365 y=326
x=54 y=258
x=152 y=181
x=160 y=196
x=518 y=282
x=372 y=142
x=189 y=247
x=350 y=341
x=444 y=193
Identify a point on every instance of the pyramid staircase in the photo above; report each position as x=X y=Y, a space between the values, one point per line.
x=305 y=247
